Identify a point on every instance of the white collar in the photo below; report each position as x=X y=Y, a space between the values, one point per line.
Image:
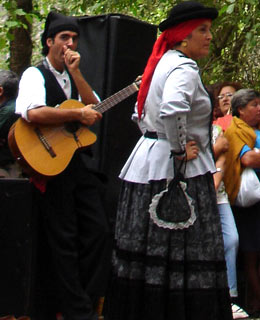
x=53 y=70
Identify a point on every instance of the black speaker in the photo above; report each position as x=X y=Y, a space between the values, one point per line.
x=16 y=247
x=114 y=50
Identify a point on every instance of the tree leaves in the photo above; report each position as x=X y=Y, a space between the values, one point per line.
x=234 y=51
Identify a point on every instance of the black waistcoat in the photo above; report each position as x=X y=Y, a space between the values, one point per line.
x=54 y=93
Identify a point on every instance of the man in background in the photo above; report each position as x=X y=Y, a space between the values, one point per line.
x=8 y=92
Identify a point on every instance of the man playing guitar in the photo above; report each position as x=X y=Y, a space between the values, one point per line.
x=74 y=218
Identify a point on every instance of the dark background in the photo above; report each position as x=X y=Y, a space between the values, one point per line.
x=114 y=50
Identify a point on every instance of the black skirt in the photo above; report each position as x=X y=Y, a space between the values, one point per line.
x=167 y=274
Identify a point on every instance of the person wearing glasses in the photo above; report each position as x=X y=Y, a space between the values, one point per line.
x=221 y=96
x=224 y=95
x=223 y=111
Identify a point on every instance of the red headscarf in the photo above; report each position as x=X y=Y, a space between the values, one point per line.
x=166 y=41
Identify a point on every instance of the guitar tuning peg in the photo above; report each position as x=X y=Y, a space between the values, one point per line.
x=138 y=81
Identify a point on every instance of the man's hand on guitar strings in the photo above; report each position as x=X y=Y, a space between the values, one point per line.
x=89 y=116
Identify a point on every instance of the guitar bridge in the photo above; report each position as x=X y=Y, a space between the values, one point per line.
x=45 y=142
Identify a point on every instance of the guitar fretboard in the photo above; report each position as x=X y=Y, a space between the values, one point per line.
x=116 y=98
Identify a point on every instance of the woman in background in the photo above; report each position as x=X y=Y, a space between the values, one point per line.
x=244 y=141
x=222 y=103
x=224 y=95
x=229 y=229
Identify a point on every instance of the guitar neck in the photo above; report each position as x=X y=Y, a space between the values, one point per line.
x=116 y=98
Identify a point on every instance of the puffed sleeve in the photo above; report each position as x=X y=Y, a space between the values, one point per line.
x=32 y=93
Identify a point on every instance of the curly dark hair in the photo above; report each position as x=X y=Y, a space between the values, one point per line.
x=236 y=85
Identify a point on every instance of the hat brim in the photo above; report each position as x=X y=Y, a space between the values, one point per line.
x=209 y=13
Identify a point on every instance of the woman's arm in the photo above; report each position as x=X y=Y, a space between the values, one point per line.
x=221 y=145
x=251 y=159
x=218 y=175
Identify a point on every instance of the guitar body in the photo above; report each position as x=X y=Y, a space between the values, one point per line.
x=48 y=149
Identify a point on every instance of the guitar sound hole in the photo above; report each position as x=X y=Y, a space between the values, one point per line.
x=72 y=127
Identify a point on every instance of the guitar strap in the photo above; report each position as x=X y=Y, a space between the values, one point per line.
x=54 y=93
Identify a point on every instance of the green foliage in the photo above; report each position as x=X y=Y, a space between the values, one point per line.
x=235 y=46
x=12 y=17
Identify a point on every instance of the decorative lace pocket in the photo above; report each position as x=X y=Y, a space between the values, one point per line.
x=173 y=207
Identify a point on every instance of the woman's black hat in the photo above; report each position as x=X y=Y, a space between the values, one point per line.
x=57 y=22
x=185 y=11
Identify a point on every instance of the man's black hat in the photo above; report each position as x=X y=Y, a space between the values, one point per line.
x=185 y=11
x=57 y=22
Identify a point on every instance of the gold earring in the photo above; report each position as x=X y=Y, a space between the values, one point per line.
x=184 y=44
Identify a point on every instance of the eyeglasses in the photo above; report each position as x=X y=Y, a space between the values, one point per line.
x=228 y=94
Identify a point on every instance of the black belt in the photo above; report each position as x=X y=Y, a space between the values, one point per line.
x=151 y=135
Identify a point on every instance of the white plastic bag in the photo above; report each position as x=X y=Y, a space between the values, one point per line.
x=249 y=191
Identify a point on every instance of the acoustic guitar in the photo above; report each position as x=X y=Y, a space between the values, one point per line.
x=46 y=150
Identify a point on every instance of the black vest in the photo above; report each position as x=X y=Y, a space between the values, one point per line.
x=54 y=93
